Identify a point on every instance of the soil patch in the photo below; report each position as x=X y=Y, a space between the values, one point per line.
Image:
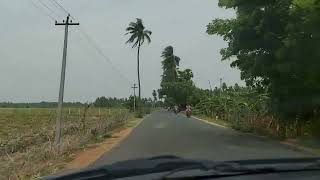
x=91 y=154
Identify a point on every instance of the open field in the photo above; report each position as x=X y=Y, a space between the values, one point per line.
x=27 y=135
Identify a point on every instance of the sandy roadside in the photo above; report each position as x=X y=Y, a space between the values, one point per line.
x=90 y=155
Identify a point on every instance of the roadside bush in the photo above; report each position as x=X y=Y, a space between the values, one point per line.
x=138 y=114
x=248 y=111
x=312 y=128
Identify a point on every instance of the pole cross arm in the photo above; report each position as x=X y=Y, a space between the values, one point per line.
x=69 y=24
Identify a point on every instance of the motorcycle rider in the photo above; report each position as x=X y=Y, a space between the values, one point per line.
x=188 y=110
x=176 y=109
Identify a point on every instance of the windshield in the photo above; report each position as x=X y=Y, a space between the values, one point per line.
x=90 y=83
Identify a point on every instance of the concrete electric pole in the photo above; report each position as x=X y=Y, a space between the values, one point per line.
x=210 y=87
x=134 y=97
x=62 y=80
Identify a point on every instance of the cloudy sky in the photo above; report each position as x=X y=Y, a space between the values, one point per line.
x=31 y=47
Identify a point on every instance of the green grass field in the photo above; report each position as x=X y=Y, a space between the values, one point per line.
x=27 y=136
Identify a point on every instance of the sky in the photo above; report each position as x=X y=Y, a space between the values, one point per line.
x=31 y=47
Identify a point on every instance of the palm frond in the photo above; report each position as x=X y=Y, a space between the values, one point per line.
x=142 y=39
x=147 y=32
x=138 y=33
x=133 y=24
x=136 y=43
x=132 y=38
x=167 y=52
x=130 y=28
x=139 y=22
x=148 y=38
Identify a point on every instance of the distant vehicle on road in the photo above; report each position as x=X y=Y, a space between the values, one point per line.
x=188 y=111
x=176 y=109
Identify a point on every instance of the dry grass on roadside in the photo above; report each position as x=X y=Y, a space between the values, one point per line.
x=27 y=150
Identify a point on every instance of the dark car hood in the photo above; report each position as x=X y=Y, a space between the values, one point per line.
x=164 y=164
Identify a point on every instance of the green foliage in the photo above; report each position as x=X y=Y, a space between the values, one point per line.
x=238 y=103
x=236 y=87
x=141 y=104
x=176 y=86
x=138 y=114
x=138 y=33
x=154 y=94
x=275 y=46
x=224 y=86
x=109 y=102
x=169 y=65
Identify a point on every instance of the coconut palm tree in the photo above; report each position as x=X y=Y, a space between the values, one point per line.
x=169 y=65
x=138 y=35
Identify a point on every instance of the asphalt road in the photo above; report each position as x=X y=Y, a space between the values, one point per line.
x=164 y=133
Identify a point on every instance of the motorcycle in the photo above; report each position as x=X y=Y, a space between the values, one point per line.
x=188 y=113
x=176 y=110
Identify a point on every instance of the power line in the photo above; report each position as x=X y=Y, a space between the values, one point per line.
x=89 y=39
x=95 y=57
x=100 y=51
x=47 y=7
x=62 y=8
x=58 y=7
x=42 y=10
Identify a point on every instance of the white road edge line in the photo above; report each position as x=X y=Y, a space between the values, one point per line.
x=211 y=123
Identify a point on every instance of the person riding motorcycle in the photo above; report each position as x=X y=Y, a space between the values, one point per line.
x=188 y=110
x=176 y=109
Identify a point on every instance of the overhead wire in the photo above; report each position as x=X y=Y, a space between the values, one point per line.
x=82 y=38
x=62 y=8
x=42 y=10
x=92 y=42
x=100 y=51
x=48 y=8
x=83 y=32
x=86 y=35
x=54 y=4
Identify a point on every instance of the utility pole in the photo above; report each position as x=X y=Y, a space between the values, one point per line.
x=220 y=86
x=210 y=87
x=134 y=97
x=62 y=80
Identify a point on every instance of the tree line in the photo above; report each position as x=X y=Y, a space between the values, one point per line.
x=275 y=44
x=42 y=104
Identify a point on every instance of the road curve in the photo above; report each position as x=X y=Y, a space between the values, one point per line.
x=165 y=133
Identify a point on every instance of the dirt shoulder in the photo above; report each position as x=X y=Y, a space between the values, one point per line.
x=92 y=153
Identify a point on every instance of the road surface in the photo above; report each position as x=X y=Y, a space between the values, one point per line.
x=165 y=133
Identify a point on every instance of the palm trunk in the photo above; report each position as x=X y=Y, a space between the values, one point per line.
x=138 y=70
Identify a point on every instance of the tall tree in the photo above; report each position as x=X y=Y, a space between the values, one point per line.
x=154 y=94
x=236 y=87
x=138 y=35
x=176 y=86
x=275 y=46
x=224 y=86
x=170 y=64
